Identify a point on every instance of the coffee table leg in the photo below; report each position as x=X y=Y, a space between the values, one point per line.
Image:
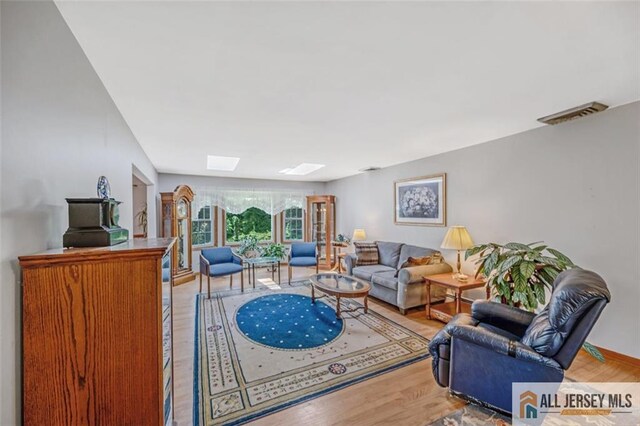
x=366 y=305
x=278 y=272
x=313 y=295
x=338 y=307
x=254 y=276
x=273 y=272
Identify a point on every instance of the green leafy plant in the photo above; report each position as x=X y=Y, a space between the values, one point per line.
x=341 y=238
x=518 y=273
x=274 y=250
x=248 y=246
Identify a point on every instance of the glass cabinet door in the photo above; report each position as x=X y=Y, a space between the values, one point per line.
x=319 y=226
x=183 y=243
x=167 y=339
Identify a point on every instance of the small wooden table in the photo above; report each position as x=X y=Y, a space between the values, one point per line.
x=445 y=311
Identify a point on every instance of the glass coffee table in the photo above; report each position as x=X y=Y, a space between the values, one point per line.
x=251 y=263
x=340 y=286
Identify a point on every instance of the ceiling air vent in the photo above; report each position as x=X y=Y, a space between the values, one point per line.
x=369 y=169
x=573 y=113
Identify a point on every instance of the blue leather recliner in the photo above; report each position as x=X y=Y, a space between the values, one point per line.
x=218 y=262
x=302 y=254
x=479 y=356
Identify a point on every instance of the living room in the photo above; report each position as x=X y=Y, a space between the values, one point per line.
x=363 y=174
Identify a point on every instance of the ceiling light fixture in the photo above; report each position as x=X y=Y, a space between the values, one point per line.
x=225 y=164
x=302 y=169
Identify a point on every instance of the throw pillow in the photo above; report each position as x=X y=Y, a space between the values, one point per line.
x=366 y=253
x=434 y=259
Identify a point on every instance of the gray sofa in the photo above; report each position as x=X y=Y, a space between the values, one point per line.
x=407 y=290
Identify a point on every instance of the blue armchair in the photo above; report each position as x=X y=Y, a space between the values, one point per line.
x=482 y=354
x=303 y=254
x=218 y=262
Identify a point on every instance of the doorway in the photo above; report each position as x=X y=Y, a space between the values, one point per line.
x=140 y=208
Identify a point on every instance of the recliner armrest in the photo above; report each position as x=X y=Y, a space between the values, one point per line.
x=500 y=344
x=505 y=317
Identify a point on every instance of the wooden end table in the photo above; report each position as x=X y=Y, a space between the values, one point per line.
x=445 y=311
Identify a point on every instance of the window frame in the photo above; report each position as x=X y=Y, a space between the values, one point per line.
x=214 y=228
x=237 y=243
x=283 y=221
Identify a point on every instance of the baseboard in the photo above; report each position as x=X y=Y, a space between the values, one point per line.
x=609 y=354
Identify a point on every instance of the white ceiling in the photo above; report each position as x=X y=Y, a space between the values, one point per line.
x=348 y=84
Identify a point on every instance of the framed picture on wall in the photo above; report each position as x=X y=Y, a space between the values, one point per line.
x=421 y=201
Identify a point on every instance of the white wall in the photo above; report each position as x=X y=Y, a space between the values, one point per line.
x=575 y=186
x=60 y=132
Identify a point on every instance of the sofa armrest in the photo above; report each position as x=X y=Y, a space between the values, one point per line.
x=350 y=261
x=500 y=344
x=509 y=318
x=416 y=274
x=204 y=265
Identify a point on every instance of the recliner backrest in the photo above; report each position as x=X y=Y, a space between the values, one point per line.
x=561 y=328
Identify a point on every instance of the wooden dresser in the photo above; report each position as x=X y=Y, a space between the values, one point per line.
x=97 y=335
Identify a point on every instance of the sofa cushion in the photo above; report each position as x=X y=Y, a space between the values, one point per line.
x=366 y=253
x=220 y=269
x=389 y=253
x=302 y=261
x=413 y=251
x=365 y=272
x=386 y=279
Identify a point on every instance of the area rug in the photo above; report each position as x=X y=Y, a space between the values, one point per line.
x=264 y=350
x=472 y=415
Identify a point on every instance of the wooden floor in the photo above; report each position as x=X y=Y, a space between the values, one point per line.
x=407 y=396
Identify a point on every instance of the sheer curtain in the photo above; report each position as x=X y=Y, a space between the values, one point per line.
x=238 y=200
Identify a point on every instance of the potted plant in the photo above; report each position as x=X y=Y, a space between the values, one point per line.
x=274 y=250
x=249 y=247
x=142 y=219
x=518 y=273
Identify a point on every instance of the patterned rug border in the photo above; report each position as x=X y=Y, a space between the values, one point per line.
x=284 y=406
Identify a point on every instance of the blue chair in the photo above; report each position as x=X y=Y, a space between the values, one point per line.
x=303 y=254
x=218 y=262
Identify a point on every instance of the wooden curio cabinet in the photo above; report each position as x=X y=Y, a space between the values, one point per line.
x=97 y=335
x=176 y=223
x=321 y=225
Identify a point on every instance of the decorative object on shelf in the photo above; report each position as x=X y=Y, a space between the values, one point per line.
x=103 y=188
x=94 y=222
x=176 y=223
x=341 y=238
x=321 y=226
x=421 y=201
x=457 y=238
x=359 y=235
x=249 y=247
x=142 y=219
x=274 y=250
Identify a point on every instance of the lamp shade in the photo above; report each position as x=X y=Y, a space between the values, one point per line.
x=457 y=238
x=359 y=235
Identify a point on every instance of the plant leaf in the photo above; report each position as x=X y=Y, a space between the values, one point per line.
x=593 y=351
x=527 y=269
x=517 y=246
x=508 y=263
x=560 y=256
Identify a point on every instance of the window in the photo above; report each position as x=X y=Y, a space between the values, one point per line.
x=293 y=224
x=251 y=222
x=202 y=227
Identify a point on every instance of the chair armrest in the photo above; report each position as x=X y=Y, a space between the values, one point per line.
x=505 y=317
x=237 y=259
x=416 y=274
x=204 y=265
x=500 y=344
x=350 y=262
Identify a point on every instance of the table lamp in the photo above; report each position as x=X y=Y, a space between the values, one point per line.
x=457 y=238
x=359 y=235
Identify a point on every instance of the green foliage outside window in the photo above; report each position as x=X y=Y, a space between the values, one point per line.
x=293 y=224
x=202 y=227
x=251 y=222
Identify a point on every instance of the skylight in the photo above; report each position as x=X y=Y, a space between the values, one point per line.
x=302 y=169
x=226 y=164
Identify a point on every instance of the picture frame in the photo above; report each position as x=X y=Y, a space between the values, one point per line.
x=421 y=201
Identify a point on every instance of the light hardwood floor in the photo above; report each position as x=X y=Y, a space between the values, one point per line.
x=407 y=396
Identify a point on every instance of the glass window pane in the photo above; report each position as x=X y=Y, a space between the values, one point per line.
x=251 y=222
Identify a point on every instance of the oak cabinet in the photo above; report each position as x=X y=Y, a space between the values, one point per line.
x=321 y=225
x=97 y=335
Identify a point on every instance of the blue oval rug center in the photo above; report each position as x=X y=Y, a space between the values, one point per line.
x=288 y=321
